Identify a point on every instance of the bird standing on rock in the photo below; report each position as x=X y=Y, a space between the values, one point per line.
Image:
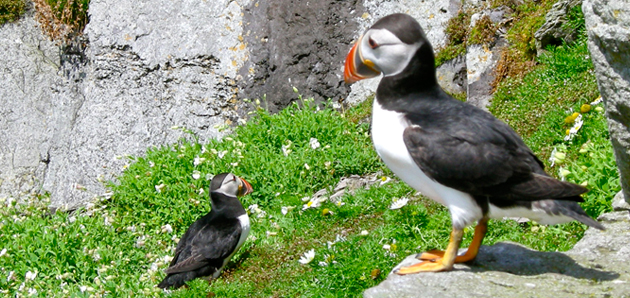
x=212 y=240
x=452 y=152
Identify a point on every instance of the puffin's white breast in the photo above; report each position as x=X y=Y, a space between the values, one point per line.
x=387 y=135
x=245 y=227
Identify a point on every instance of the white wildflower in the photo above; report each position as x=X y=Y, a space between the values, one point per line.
x=221 y=154
x=140 y=241
x=307 y=257
x=597 y=101
x=385 y=180
x=398 y=203
x=256 y=210
x=287 y=209
x=314 y=143
x=314 y=203
x=196 y=174
x=209 y=177
x=160 y=187
x=11 y=276
x=201 y=191
x=96 y=257
x=3 y=252
x=32 y=292
x=198 y=160
x=151 y=164
x=576 y=127
x=322 y=264
x=364 y=233
x=563 y=173
x=306 y=166
x=30 y=275
x=286 y=150
x=167 y=228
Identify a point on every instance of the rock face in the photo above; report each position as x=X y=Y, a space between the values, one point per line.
x=70 y=115
x=608 y=28
x=297 y=44
x=553 y=31
x=595 y=267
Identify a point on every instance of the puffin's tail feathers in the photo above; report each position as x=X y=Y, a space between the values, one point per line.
x=567 y=208
x=543 y=187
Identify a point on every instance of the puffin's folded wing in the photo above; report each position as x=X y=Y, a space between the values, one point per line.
x=212 y=244
x=488 y=163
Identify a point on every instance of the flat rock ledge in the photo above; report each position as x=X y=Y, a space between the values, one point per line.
x=596 y=267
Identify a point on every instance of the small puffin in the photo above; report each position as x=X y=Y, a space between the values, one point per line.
x=452 y=152
x=212 y=240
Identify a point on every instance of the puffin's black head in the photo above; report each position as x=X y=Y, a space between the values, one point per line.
x=387 y=47
x=230 y=185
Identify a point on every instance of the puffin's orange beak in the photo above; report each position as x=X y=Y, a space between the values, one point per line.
x=247 y=188
x=356 y=68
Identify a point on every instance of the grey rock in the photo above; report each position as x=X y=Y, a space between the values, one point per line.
x=298 y=44
x=482 y=59
x=595 y=267
x=619 y=203
x=554 y=31
x=452 y=75
x=28 y=69
x=608 y=28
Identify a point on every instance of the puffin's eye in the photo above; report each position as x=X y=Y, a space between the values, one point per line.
x=372 y=43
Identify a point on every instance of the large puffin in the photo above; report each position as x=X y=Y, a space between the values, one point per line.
x=212 y=240
x=452 y=152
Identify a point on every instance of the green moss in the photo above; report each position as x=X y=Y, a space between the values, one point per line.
x=11 y=10
x=457 y=33
x=483 y=32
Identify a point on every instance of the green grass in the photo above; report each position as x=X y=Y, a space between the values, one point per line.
x=118 y=247
x=11 y=10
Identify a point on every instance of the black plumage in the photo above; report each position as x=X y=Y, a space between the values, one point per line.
x=453 y=152
x=211 y=241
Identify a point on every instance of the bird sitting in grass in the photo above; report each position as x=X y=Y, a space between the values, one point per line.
x=212 y=240
x=452 y=152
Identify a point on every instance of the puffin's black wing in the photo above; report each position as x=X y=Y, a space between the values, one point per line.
x=476 y=153
x=209 y=246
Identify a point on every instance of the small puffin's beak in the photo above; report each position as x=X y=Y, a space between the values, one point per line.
x=245 y=188
x=356 y=67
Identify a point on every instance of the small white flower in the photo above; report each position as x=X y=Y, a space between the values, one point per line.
x=196 y=174
x=30 y=275
x=314 y=203
x=269 y=233
x=151 y=164
x=32 y=292
x=398 y=203
x=3 y=252
x=306 y=166
x=314 y=143
x=221 y=154
x=307 y=257
x=576 y=127
x=82 y=289
x=167 y=228
x=209 y=177
x=286 y=210
x=385 y=180
x=198 y=160
x=387 y=247
x=364 y=233
x=286 y=150
x=201 y=191
x=11 y=276
x=96 y=257
x=563 y=173
x=259 y=212
x=160 y=187
x=322 y=264
x=140 y=241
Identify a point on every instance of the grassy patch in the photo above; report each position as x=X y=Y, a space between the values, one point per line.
x=11 y=10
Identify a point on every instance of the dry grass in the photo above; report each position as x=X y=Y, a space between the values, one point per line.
x=61 y=20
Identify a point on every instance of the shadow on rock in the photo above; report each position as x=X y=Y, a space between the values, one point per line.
x=515 y=259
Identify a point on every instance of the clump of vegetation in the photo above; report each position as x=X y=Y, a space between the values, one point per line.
x=61 y=20
x=483 y=32
x=457 y=32
x=11 y=10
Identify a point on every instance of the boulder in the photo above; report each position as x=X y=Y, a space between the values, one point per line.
x=608 y=28
x=595 y=267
